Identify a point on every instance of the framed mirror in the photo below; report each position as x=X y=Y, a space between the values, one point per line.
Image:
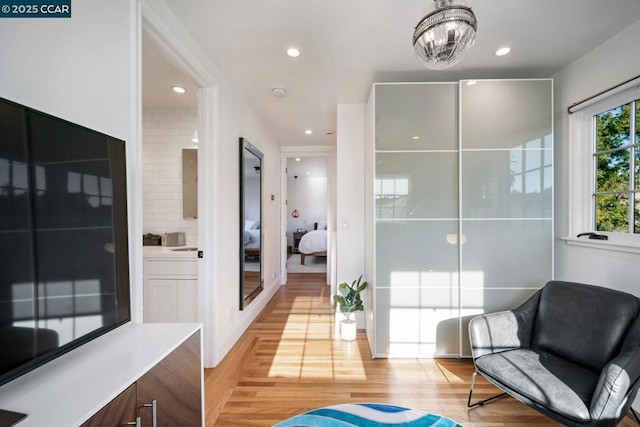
x=251 y=271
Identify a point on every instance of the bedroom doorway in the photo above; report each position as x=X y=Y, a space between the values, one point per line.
x=307 y=213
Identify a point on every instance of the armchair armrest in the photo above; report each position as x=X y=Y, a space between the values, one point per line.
x=619 y=380
x=504 y=330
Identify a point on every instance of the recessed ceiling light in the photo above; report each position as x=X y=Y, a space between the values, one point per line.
x=503 y=51
x=471 y=82
x=308 y=173
x=308 y=131
x=415 y=137
x=293 y=52
x=298 y=159
x=178 y=89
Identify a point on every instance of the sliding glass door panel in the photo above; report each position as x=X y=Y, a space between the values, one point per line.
x=507 y=184
x=416 y=185
x=506 y=114
x=505 y=253
x=410 y=320
x=416 y=116
x=417 y=254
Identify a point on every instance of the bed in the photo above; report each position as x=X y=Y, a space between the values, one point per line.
x=313 y=243
x=252 y=239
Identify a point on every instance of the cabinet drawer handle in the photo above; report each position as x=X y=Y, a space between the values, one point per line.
x=154 y=410
x=135 y=423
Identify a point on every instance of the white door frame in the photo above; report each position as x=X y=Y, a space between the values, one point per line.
x=166 y=32
x=311 y=151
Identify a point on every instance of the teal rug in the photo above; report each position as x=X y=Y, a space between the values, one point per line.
x=367 y=415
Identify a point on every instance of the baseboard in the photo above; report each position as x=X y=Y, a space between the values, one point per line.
x=232 y=335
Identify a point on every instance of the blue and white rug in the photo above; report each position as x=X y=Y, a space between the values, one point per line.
x=367 y=415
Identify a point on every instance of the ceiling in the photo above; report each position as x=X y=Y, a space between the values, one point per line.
x=346 y=45
x=307 y=167
x=158 y=76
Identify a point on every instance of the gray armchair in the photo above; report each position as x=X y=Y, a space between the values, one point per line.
x=572 y=352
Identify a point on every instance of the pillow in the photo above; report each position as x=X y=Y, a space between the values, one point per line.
x=247 y=237
x=248 y=224
x=255 y=226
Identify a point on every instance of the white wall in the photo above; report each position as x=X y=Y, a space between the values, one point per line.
x=614 y=61
x=350 y=194
x=164 y=134
x=81 y=69
x=308 y=195
x=236 y=121
x=77 y=69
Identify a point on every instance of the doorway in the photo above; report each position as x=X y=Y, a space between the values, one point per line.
x=206 y=86
x=324 y=158
x=307 y=215
x=169 y=148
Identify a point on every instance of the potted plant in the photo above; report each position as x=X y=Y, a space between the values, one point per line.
x=350 y=301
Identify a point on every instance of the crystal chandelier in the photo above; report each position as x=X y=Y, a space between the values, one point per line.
x=445 y=35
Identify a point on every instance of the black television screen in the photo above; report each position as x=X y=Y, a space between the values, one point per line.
x=64 y=275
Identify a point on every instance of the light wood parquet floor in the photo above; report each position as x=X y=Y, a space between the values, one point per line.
x=292 y=360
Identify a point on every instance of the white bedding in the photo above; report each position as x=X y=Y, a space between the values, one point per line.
x=254 y=243
x=313 y=241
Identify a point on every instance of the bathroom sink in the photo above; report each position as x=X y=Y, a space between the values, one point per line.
x=187 y=249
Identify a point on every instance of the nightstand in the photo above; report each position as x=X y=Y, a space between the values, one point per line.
x=296 y=240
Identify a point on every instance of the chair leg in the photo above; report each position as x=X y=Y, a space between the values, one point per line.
x=635 y=415
x=480 y=402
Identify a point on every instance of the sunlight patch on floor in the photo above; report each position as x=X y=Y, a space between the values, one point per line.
x=309 y=345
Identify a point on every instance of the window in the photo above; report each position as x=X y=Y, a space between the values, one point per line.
x=616 y=199
x=604 y=193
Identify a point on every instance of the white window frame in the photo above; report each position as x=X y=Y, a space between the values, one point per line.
x=582 y=176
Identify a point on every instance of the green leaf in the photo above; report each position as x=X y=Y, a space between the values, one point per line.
x=350 y=299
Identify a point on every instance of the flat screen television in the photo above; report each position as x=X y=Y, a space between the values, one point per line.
x=64 y=275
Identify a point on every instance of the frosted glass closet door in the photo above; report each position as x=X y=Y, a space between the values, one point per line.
x=416 y=220
x=506 y=202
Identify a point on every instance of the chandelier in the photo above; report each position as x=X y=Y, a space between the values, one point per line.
x=443 y=37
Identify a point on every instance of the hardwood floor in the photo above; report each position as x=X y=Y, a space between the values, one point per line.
x=292 y=360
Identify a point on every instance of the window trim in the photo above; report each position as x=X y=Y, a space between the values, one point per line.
x=582 y=176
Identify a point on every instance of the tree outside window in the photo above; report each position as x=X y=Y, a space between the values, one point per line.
x=617 y=167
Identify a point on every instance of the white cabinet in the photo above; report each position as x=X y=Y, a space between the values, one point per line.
x=151 y=361
x=459 y=208
x=171 y=291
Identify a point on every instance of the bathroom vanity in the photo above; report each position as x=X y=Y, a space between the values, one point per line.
x=171 y=291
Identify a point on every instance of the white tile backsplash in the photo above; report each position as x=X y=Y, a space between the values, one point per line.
x=165 y=133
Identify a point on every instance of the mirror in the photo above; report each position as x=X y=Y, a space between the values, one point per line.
x=251 y=277
x=189 y=183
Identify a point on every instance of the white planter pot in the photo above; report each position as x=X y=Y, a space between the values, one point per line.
x=348 y=330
